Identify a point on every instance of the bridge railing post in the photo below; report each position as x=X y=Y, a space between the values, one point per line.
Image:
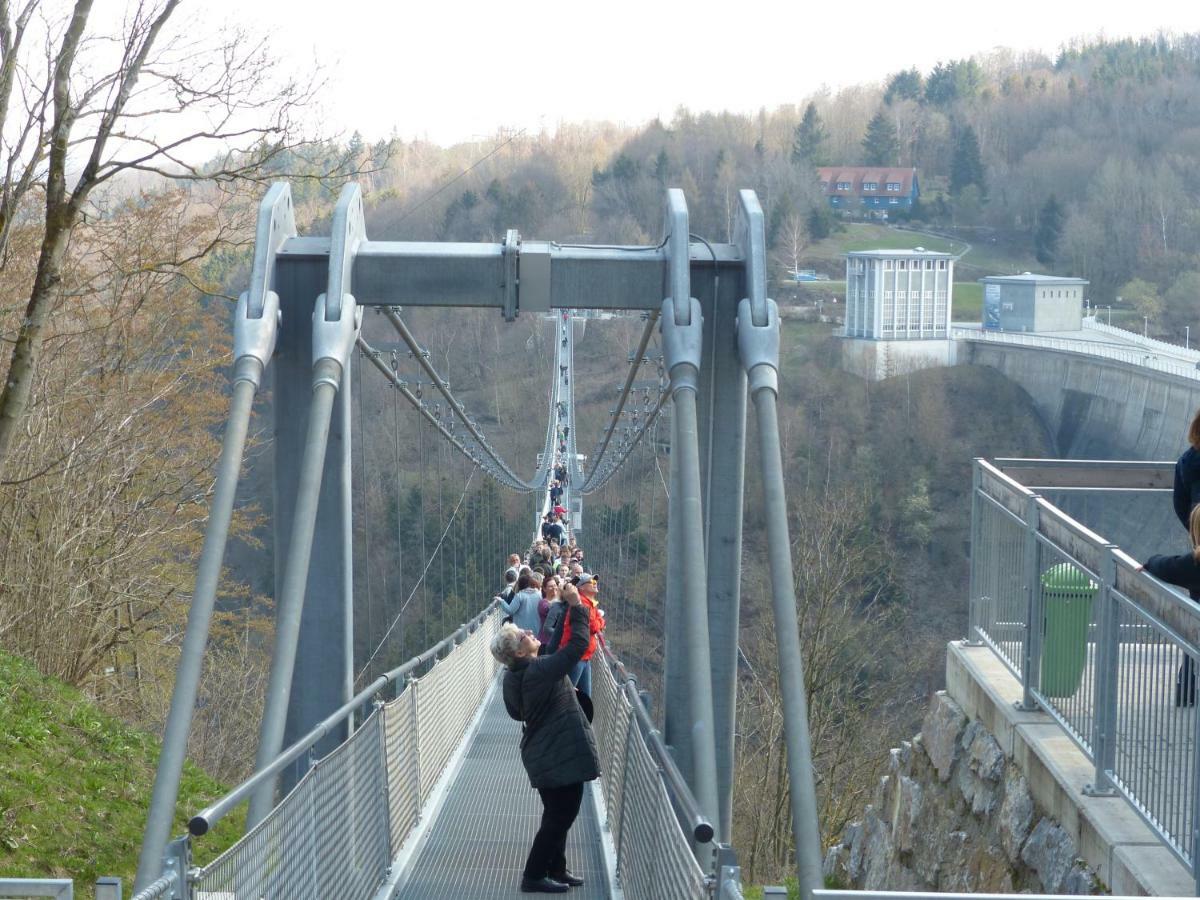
x=1031 y=651
x=976 y=604
x=1195 y=836
x=1105 y=672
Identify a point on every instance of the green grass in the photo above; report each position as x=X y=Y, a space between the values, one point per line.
x=865 y=236
x=968 y=298
x=968 y=302
x=984 y=258
x=75 y=785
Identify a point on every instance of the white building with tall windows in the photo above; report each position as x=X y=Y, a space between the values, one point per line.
x=898 y=305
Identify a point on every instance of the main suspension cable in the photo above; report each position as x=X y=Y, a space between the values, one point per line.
x=422 y=356
x=598 y=455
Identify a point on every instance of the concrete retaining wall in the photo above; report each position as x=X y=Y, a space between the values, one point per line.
x=1097 y=408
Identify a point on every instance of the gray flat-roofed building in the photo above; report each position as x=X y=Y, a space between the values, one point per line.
x=899 y=295
x=1030 y=302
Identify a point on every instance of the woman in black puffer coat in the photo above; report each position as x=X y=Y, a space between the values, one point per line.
x=557 y=747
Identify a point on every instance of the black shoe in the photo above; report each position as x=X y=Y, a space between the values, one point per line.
x=543 y=886
x=567 y=877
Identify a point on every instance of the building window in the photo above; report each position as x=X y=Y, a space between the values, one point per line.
x=929 y=263
x=887 y=263
x=893 y=185
x=929 y=295
x=870 y=185
x=887 y=295
x=843 y=185
x=900 y=295
x=941 y=264
x=902 y=264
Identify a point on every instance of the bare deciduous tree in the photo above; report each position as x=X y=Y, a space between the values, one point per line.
x=83 y=102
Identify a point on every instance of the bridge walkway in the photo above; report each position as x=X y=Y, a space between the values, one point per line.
x=475 y=846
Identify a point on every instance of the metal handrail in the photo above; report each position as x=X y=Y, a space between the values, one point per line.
x=203 y=821
x=60 y=888
x=677 y=788
x=1146 y=358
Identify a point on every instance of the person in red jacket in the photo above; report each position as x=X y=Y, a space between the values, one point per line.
x=581 y=674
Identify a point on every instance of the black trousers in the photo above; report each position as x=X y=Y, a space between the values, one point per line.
x=548 y=855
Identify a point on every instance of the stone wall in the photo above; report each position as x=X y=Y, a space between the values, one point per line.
x=953 y=813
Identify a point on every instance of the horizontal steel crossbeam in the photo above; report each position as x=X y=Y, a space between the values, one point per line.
x=398 y=273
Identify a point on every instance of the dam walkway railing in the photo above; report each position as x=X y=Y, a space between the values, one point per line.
x=1105 y=648
x=1149 y=357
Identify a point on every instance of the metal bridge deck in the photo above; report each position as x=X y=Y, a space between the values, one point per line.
x=476 y=844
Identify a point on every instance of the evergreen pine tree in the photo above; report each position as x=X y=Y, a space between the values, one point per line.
x=808 y=144
x=881 y=146
x=967 y=166
x=1049 y=230
x=905 y=85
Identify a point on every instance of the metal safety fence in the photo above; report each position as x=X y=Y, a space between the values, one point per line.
x=59 y=888
x=1106 y=649
x=336 y=833
x=658 y=833
x=1148 y=357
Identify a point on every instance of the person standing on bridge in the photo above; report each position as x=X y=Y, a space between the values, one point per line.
x=523 y=607
x=1186 y=492
x=581 y=674
x=557 y=746
x=1182 y=570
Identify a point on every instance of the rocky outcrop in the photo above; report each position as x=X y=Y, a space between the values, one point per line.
x=953 y=813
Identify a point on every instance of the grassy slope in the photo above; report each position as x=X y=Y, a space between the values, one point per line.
x=75 y=785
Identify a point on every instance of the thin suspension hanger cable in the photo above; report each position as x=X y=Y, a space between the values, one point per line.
x=599 y=454
x=421 y=580
x=442 y=386
x=399 y=507
x=366 y=511
x=422 y=490
x=662 y=399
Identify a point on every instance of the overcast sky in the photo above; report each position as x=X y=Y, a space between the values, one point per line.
x=451 y=71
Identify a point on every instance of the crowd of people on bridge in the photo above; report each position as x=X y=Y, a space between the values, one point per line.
x=552 y=628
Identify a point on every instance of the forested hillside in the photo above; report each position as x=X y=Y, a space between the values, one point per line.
x=1081 y=161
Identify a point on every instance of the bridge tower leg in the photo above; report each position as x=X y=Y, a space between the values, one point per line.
x=722 y=407
x=313 y=583
x=689 y=689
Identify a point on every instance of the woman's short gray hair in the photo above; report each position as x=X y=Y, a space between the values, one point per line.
x=506 y=643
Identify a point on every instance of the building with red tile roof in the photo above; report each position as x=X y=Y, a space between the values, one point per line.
x=869 y=190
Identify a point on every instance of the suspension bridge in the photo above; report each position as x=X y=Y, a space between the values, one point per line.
x=386 y=765
x=381 y=776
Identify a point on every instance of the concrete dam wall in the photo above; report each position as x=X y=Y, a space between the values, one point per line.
x=1096 y=408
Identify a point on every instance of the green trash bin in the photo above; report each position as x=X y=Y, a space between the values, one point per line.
x=1067 y=594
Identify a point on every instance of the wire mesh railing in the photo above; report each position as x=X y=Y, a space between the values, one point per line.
x=654 y=819
x=337 y=831
x=1111 y=656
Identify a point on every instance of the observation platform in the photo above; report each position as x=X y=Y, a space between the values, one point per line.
x=1112 y=838
x=474 y=846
